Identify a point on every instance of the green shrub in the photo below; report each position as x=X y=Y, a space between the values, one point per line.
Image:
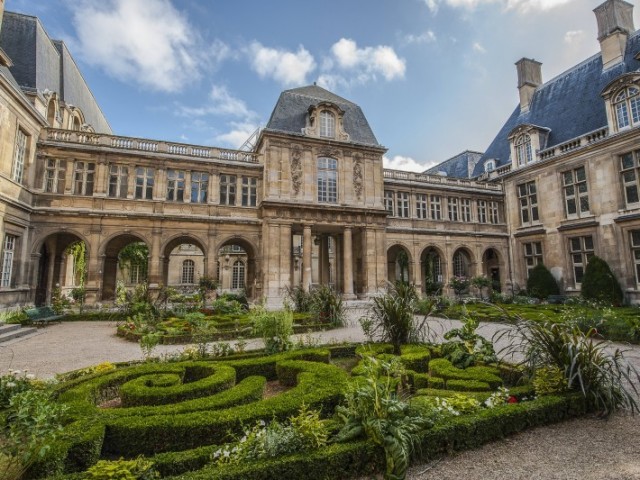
x=465 y=347
x=444 y=369
x=275 y=328
x=541 y=283
x=549 y=380
x=302 y=300
x=600 y=284
x=326 y=305
x=138 y=469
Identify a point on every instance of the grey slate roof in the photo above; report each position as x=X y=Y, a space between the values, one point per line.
x=40 y=64
x=460 y=166
x=570 y=105
x=290 y=113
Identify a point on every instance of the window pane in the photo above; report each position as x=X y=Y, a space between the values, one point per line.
x=588 y=243
x=575 y=245
x=627 y=161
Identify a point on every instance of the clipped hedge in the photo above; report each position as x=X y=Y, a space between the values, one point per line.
x=443 y=368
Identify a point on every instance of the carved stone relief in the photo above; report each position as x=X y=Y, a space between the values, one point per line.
x=357 y=176
x=296 y=169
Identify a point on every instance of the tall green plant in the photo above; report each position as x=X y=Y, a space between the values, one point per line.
x=600 y=284
x=392 y=317
x=78 y=251
x=326 y=304
x=595 y=369
x=275 y=328
x=541 y=283
x=376 y=409
x=465 y=347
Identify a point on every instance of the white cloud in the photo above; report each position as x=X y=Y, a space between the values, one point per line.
x=368 y=62
x=479 y=48
x=399 y=162
x=573 y=36
x=427 y=37
x=520 y=5
x=145 y=41
x=239 y=133
x=220 y=102
x=287 y=68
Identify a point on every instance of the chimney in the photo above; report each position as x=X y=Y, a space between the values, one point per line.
x=615 y=24
x=529 y=78
x=1 y=12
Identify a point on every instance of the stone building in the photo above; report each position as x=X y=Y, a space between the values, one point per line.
x=311 y=203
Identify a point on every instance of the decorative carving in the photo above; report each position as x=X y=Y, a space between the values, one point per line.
x=357 y=176
x=296 y=169
x=329 y=152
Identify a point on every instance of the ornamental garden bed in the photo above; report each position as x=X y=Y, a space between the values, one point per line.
x=188 y=419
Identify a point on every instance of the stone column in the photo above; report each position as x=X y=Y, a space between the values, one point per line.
x=347 y=249
x=156 y=260
x=52 y=246
x=306 y=258
x=187 y=186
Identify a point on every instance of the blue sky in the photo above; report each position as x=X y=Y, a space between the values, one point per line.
x=433 y=77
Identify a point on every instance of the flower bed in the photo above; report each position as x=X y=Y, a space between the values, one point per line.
x=179 y=414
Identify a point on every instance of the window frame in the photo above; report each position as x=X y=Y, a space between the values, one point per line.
x=199 y=187
x=228 y=187
x=584 y=251
x=20 y=153
x=435 y=207
x=390 y=202
x=422 y=206
x=84 y=174
x=121 y=183
x=461 y=263
x=533 y=255
x=626 y=107
x=9 y=247
x=528 y=203
x=453 y=209
x=630 y=177
x=402 y=204
x=144 y=182
x=55 y=175
x=327 y=124
x=523 y=149
x=249 y=191
x=238 y=275
x=571 y=190
x=188 y=272
x=494 y=212
x=176 y=184
x=465 y=210
x=634 y=242
x=327 y=180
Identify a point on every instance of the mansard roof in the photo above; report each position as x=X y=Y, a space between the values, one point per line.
x=569 y=105
x=459 y=166
x=290 y=113
x=40 y=64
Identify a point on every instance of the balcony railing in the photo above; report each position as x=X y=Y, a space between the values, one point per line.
x=574 y=144
x=145 y=145
x=439 y=180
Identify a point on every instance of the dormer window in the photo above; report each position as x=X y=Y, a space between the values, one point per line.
x=524 y=153
x=627 y=107
x=327 y=124
x=490 y=166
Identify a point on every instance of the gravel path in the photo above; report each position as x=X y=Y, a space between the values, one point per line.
x=587 y=448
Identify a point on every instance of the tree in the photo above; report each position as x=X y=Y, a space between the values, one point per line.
x=541 y=283
x=599 y=283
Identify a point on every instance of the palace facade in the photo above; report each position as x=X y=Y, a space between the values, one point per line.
x=310 y=202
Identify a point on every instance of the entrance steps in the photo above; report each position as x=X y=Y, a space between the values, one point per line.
x=9 y=333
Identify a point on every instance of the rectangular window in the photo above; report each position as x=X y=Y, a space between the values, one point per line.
x=465 y=210
x=54 y=175
x=482 y=211
x=327 y=180
x=581 y=250
x=494 y=212
x=144 y=183
x=19 y=156
x=436 y=207
x=388 y=202
x=576 y=196
x=630 y=171
x=532 y=255
x=635 y=252
x=118 y=181
x=249 y=191
x=137 y=273
x=227 y=189
x=422 y=205
x=528 y=199
x=175 y=185
x=199 y=187
x=453 y=209
x=83 y=178
x=403 y=204
x=8 y=250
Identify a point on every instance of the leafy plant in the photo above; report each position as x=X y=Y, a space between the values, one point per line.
x=33 y=421
x=326 y=304
x=392 y=316
x=480 y=283
x=59 y=302
x=376 y=409
x=599 y=283
x=148 y=343
x=456 y=404
x=302 y=300
x=541 y=283
x=459 y=284
x=205 y=286
x=138 y=469
x=78 y=251
x=465 y=347
x=595 y=369
x=275 y=328
x=79 y=294
x=549 y=380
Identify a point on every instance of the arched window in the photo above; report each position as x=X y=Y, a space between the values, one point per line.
x=524 y=155
x=461 y=263
x=327 y=124
x=51 y=112
x=237 y=280
x=627 y=107
x=188 y=270
x=432 y=267
x=327 y=180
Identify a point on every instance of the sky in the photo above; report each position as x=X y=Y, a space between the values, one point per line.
x=433 y=77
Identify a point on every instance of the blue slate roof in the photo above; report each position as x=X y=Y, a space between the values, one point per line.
x=570 y=105
x=460 y=166
x=41 y=64
x=290 y=113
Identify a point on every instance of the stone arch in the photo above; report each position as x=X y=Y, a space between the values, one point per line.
x=110 y=249
x=251 y=263
x=463 y=262
x=399 y=263
x=171 y=266
x=52 y=109
x=432 y=269
x=493 y=266
x=53 y=268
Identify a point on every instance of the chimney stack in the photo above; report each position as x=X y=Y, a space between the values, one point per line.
x=529 y=78
x=615 y=24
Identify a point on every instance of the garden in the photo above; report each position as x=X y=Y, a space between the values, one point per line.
x=297 y=411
